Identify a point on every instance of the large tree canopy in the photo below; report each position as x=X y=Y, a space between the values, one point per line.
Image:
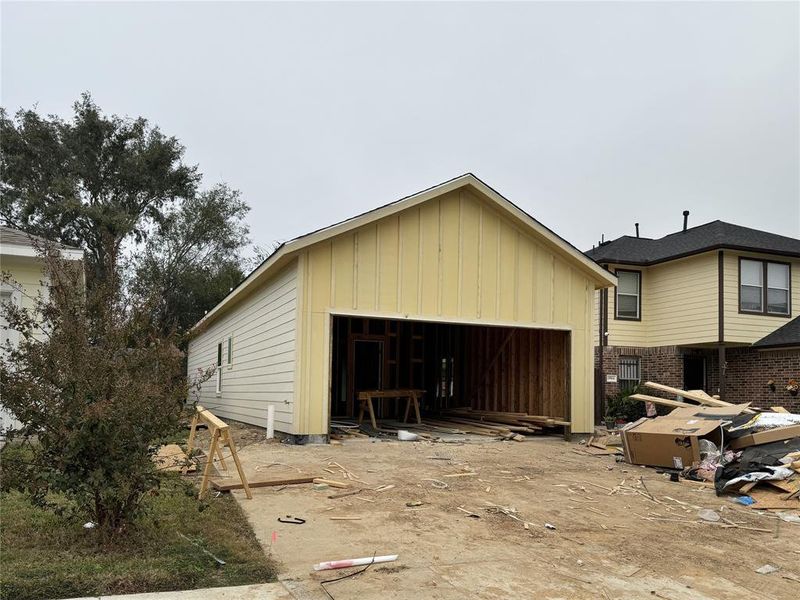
x=192 y=261
x=119 y=188
x=94 y=181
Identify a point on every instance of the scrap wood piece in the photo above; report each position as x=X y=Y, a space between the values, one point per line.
x=468 y=474
x=548 y=421
x=700 y=398
x=657 y=400
x=171 y=457
x=437 y=484
x=778 y=409
x=223 y=486
x=768 y=499
x=345 y=494
x=468 y=512
x=330 y=482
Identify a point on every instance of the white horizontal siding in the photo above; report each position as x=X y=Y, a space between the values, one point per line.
x=264 y=330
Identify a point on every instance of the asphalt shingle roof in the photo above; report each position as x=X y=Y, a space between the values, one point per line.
x=716 y=234
x=788 y=335
x=17 y=237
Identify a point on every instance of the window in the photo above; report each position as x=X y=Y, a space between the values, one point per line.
x=629 y=372
x=230 y=351
x=764 y=287
x=629 y=295
x=219 y=368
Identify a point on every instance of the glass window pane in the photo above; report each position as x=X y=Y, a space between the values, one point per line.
x=627 y=306
x=752 y=272
x=778 y=276
x=778 y=301
x=628 y=282
x=751 y=297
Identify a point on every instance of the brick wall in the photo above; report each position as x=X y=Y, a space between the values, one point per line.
x=663 y=364
x=749 y=371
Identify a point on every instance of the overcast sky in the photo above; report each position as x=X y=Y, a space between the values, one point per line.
x=590 y=116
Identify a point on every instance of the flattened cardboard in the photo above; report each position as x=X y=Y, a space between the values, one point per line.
x=765 y=437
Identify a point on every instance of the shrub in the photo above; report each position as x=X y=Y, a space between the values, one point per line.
x=620 y=406
x=93 y=383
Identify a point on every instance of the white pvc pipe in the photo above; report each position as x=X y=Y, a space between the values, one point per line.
x=354 y=562
x=270 y=421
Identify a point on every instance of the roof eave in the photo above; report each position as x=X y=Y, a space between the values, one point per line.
x=601 y=277
x=648 y=263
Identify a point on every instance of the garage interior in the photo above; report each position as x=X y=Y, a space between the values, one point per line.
x=486 y=368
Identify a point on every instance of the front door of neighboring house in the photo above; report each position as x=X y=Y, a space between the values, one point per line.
x=694 y=372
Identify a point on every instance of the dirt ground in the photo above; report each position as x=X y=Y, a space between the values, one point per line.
x=611 y=540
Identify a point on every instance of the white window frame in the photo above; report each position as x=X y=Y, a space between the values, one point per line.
x=765 y=287
x=219 y=368
x=637 y=295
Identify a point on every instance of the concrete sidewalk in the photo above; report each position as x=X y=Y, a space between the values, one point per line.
x=260 y=591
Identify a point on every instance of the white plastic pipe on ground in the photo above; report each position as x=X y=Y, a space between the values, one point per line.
x=354 y=562
x=270 y=421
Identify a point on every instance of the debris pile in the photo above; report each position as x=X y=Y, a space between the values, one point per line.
x=734 y=447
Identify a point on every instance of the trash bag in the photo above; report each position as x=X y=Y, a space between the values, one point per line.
x=754 y=459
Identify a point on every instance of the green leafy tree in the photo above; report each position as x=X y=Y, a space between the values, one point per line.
x=95 y=181
x=94 y=382
x=192 y=261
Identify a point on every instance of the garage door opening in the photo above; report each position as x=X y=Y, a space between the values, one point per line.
x=504 y=369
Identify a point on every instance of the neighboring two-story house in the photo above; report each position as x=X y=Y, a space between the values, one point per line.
x=20 y=260
x=714 y=307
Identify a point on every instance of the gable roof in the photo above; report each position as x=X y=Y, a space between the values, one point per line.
x=15 y=242
x=788 y=335
x=287 y=250
x=710 y=236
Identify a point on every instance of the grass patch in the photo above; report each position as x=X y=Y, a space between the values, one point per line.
x=43 y=555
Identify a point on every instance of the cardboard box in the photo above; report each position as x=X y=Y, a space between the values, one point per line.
x=668 y=442
x=765 y=437
x=673 y=440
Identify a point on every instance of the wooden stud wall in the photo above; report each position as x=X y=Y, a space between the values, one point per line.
x=495 y=368
x=517 y=370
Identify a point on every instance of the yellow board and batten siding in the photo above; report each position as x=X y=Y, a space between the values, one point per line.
x=680 y=305
x=453 y=258
x=748 y=328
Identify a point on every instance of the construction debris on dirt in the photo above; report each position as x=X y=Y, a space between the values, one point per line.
x=455 y=422
x=734 y=447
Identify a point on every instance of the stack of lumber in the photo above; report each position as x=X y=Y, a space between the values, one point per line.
x=487 y=422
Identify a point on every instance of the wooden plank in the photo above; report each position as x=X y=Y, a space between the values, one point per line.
x=223 y=486
x=702 y=399
x=239 y=469
x=210 y=418
x=655 y=400
x=546 y=420
x=778 y=409
x=331 y=483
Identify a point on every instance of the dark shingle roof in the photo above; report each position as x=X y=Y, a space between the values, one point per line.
x=711 y=236
x=17 y=237
x=788 y=335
